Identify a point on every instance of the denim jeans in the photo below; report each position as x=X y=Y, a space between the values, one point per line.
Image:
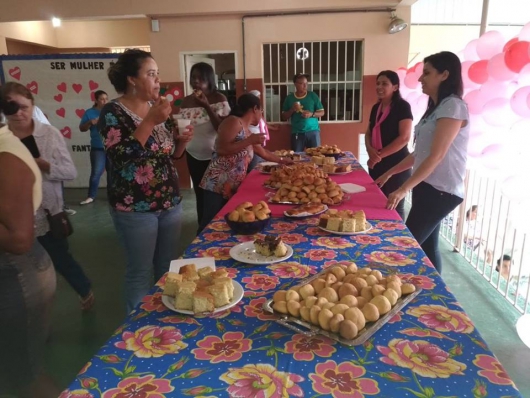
x=213 y=203
x=98 y=164
x=150 y=241
x=429 y=207
x=310 y=139
x=65 y=264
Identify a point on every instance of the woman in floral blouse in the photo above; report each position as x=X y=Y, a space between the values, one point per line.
x=234 y=150
x=205 y=107
x=144 y=194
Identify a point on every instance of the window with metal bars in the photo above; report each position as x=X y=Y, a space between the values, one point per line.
x=335 y=75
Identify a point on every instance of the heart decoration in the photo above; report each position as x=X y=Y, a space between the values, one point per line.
x=77 y=87
x=62 y=87
x=58 y=97
x=15 y=73
x=61 y=112
x=92 y=85
x=67 y=132
x=33 y=87
x=80 y=112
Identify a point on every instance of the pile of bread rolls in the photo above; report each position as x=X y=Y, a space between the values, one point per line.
x=323 y=150
x=343 y=299
x=247 y=212
x=294 y=173
x=309 y=190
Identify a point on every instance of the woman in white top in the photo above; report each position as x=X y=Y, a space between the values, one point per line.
x=440 y=154
x=206 y=108
x=56 y=166
x=27 y=278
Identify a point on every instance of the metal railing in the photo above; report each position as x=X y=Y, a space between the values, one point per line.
x=483 y=231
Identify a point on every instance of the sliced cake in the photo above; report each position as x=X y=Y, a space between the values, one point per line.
x=348 y=225
x=172 y=283
x=270 y=246
x=189 y=272
x=334 y=224
x=203 y=302
x=360 y=220
x=228 y=283
x=204 y=271
x=220 y=294
x=184 y=299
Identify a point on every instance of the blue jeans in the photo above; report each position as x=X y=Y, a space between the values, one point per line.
x=429 y=208
x=98 y=163
x=150 y=241
x=65 y=264
x=309 y=139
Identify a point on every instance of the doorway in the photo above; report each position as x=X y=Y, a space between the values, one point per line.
x=224 y=65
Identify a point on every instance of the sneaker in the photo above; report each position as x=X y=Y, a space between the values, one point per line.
x=69 y=211
x=87 y=201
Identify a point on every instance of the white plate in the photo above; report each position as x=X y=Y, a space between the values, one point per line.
x=238 y=295
x=246 y=253
x=302 y=215
x=367 y=225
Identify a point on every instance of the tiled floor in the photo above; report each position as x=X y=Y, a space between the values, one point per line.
x=75 y=337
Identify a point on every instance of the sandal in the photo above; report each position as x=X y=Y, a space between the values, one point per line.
x=88 y=301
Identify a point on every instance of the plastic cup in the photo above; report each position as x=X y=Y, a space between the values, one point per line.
x=183 y=123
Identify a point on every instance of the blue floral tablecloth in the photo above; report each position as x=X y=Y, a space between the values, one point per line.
x=430 y=349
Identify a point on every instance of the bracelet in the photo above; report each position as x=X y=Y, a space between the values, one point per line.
x=313 y=115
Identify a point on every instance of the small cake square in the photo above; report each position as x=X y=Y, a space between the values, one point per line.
x=360 y=221
x=204 y=271
x=328 y=160
x=334 y=224
x=172 y=283
x=228 y=283
x=220 y=294
x=203 y=302
x=348 y=225
x=184 y=299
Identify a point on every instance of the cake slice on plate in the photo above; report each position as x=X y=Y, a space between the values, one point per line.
x=270 y=246
x=173 y=281
x=203 y=302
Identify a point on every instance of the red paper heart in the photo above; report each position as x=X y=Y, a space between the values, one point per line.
x=93 y=96
x=92 y=85
x=66 y=132
x=80 y=112
x=58 y=97
x=61 y=112
x=15 y=72
x=77 y=87
x=62 y=87
x=33 y=87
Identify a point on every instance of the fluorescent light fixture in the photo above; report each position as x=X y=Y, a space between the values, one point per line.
x=56 y=22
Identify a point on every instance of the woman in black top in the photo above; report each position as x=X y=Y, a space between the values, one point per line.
x=389 y=133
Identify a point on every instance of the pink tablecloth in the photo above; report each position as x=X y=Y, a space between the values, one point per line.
x=372 y=201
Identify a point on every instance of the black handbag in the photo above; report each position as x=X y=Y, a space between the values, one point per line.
x=60 y=225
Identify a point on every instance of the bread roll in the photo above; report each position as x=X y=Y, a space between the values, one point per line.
x=304 y=313
x=371 y=280
x=313 y=314
x=408 y=288
x=294 y=308
x=356 y=316
x=359 y=283
x=310 y=301
x=338 y=272
x=370 y=312
x=279 y=295
x=382 y=304
x=377 y=274
x=306 y=291
x=352 y=268
x=248 y=216
x=334 y=323
x=347 y=289
x=333 y=193
x=280 y=306
x=377 y=290
x=319 y=284
x=329 y=294
x=324 y=317
x=328 y=306
x=244 y=205
x=234 y=216
x=339 y=308
x=321 y=301
x=391 y=295
x=292 y=295
x=261 y=215
x=361 y=302
x=348 y=330
x=349 y=300
x=366 y=292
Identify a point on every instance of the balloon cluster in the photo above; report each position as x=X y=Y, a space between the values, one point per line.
x=496 y=76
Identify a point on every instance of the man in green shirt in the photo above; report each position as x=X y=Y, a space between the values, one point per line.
x=303 y=108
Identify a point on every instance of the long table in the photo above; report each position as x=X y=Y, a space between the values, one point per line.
x=429 y=349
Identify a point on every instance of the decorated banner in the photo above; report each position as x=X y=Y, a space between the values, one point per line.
x=63 y=86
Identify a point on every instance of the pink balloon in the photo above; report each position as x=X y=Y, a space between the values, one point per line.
x=519 y=102
x=418 y=69
x=478 y=72
x=401 y=72
x=517 y=56
x=509 y=43
x=493 y=89
x=489 y=44
x=493 y=156
x=468 y=83
x=498 y=112
x=478 y=127
x=470 y=52
x=525 y=32
x=476 y=145
x=411 y=81
x=498 y=70
x=475 y=102
x=524 y=76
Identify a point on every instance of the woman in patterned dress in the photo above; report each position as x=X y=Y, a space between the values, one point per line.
x=144 y=195
x=235 y=147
